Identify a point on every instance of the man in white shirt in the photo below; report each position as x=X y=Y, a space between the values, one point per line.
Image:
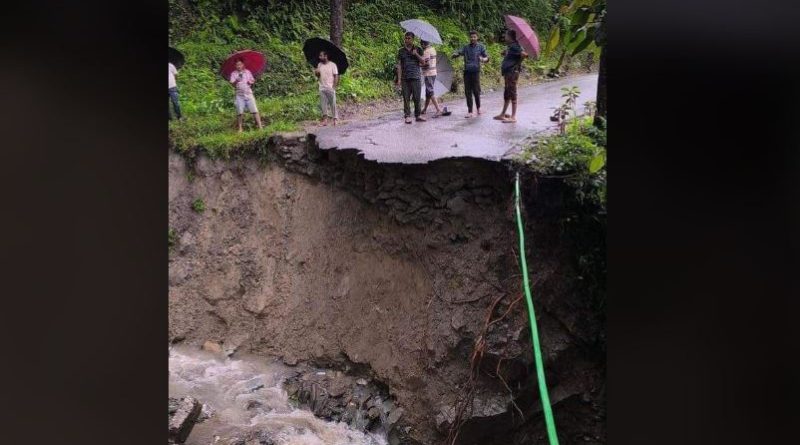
x=429 y=73
x=173 y=93
x=328 y=74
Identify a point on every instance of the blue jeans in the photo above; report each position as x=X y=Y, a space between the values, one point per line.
x=173 y=97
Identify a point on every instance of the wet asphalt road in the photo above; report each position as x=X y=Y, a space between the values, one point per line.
x=388 y=139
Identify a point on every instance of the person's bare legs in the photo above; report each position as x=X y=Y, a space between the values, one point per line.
x=258 y=120
x=502 y=114
x=239 y=121
x=425 y=108
x=435 y=102
x=513 y=117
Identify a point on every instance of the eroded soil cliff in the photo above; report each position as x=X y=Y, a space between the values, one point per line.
x=406 y=274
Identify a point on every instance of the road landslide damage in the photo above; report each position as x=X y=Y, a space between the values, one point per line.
x=405 y=275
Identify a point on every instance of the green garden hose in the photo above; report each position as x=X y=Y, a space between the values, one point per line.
x=537 y=351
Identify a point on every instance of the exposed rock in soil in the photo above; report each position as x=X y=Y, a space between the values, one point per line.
x=210 y=346
x=183 y=414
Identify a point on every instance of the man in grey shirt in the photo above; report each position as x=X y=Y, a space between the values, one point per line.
x=474 y=54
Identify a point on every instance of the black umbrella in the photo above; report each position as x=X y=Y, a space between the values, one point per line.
x=176 y=57
x=313 y=46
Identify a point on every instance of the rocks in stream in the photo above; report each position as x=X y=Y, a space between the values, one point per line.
x=251 y=438
x=183 y=414
x=335 y=396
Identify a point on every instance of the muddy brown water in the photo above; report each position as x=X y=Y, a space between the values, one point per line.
x=243 y=398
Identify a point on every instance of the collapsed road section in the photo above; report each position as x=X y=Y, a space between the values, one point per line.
x=403 y=275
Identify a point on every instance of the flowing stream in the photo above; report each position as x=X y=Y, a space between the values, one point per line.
x=244 y=399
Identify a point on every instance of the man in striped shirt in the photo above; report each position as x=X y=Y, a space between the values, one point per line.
x=429 y=74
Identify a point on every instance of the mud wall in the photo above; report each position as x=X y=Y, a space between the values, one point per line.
x=388 y=270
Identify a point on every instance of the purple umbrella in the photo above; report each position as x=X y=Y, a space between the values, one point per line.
x=525 y=34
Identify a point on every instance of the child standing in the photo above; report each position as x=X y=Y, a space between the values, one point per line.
x=328 y=74
x=241 y=79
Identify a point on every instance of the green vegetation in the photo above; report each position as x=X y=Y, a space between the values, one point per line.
x=172 y=238
x=207 y=31
x=198 y=205
x=578 y=28
x=581 y=28
x=577 y=157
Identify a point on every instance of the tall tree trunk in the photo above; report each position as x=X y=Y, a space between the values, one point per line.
x=601 y=90
x=337 y=21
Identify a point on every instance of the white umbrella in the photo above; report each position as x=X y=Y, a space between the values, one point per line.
x=423 y=30
x=444 y=75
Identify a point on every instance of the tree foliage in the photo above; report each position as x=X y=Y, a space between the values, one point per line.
x=578 y=28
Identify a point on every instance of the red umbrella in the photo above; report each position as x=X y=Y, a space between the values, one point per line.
x=525 y=34
x=253 y=61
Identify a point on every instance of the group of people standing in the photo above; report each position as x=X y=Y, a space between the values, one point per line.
x=415 y=65
x=241 y=79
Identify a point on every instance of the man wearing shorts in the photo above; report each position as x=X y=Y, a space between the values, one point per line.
x=512 y=63
x=429 y=74
x=241 y=79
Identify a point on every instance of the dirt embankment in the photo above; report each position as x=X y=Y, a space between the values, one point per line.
x=389 y=271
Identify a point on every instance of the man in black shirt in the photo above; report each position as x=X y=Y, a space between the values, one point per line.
x=409 y=58
x=474 y=54
x=512 y=62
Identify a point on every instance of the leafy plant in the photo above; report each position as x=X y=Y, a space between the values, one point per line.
x=172 y=238
x=576 y=29
x=562 y=112
x=590 y=107
x=578 y=155
x=198 y=205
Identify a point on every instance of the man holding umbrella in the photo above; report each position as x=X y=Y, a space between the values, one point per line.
x=329 y=62
x=242 y=79
x=408 y=76
x=328 y=81
x=510 y=71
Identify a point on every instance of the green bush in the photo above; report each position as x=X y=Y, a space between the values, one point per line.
x=578 y=156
